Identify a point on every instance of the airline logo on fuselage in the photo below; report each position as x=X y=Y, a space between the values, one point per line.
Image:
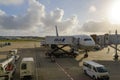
x=59 y=40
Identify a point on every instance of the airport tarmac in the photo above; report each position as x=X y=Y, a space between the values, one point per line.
x=64 y=68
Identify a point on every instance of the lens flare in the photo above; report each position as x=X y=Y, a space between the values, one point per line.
x=114 y=13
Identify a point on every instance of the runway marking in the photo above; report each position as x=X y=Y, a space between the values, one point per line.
x=68 y=75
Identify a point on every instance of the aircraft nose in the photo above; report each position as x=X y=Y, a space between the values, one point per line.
x=90 y=44
x=93 y=43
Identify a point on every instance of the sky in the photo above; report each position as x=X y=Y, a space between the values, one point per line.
x=73 y=17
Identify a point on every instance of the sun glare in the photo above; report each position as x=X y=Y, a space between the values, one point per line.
x=114 y=13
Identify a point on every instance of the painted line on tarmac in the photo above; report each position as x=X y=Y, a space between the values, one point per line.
x=67 y=74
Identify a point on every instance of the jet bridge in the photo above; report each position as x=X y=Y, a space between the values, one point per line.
x=109 y=40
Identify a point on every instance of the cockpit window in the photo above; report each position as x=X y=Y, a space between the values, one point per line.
x=87 y=39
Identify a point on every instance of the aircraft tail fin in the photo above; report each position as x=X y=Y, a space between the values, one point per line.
x=56 y=30
x=116 y=32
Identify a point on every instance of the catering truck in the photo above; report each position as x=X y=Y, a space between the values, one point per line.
x=27 y=68
x=7 y=68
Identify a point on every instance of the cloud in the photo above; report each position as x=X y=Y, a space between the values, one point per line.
x=30 y=19
x=2 y=12
x=8 y=2
x=53 y=18
x=56 y=18
x=97 y=26
x=36 y=20
x=69 y=25
x=92 y=9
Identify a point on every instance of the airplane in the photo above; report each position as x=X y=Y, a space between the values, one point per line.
x=76 y=42
x=84 y=42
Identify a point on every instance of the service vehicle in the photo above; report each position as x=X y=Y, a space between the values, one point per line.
x=95 y=70
x=7 y=68
x=14 y=52
x=27 y=68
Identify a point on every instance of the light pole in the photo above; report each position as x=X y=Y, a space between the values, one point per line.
x=116 y=54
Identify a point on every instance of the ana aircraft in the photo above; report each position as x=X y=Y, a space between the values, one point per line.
x=76 y=43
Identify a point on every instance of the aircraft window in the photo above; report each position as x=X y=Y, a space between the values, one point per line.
x=87 y=39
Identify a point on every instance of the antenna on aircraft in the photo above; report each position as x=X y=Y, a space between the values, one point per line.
x=56 y=30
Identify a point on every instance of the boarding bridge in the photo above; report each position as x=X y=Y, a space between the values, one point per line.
x=106 y=39
x=109 y=40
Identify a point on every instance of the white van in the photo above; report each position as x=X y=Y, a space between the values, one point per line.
x=95 y=70
x=27 y=68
